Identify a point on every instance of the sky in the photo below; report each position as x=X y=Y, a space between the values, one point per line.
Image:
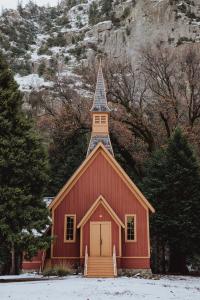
x=13 y=3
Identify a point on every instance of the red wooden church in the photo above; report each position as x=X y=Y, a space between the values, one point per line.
x=100 y=219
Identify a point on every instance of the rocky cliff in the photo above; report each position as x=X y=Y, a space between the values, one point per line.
x=41 y=42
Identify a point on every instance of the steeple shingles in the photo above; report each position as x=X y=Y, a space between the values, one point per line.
x=100 y=101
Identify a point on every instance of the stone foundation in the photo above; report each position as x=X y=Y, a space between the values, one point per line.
x=133 y=272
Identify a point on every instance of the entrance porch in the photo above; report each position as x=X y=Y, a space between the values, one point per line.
x=100 y=240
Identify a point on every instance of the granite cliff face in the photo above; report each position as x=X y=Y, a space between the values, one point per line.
x=147 y=22
x=41 y=42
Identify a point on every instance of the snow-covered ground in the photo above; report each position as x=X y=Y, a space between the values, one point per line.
x=123 y=288
x=25 y=276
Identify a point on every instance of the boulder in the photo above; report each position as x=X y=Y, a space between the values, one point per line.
x=103 y=26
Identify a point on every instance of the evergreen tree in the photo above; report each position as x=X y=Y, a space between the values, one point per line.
x=106 y=7
x=23 y=176
x=93 y=13
x=172 y=184
x=65 y=155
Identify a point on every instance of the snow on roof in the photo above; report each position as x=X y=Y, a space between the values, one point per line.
x=48 y=200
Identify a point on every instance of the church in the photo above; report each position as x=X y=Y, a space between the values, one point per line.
x=100 y=219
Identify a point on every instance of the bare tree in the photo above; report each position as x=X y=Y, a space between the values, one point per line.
x=65 y=112
x=160 y=67
x=190 y=85
x=128 y=89
x=174 y=81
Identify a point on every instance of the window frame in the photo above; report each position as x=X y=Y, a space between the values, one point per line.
x=135 y=230
x=65 y=228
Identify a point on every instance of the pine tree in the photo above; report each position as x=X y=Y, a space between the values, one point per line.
x=106 y=7
x=65 y=156
x=172 y=183
x=93 y=13
x=23 y=175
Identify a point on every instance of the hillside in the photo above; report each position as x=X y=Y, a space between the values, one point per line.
x=42 y=42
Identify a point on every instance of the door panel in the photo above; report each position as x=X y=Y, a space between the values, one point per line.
x=106 y=239
x=100 y=239
x=95 y=239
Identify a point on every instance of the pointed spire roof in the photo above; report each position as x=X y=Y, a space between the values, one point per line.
x=100 y=101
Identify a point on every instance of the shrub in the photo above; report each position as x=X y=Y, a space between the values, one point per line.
x=67 y=59
x=63 y=271
x=44 y=50
x=58 y=270
x=63 y=21
x=17 y=51
x=128 y=31
x=79 y=52
x=183 y=8
x=94 y=16
x=41 y=69
x=49 y=272
x=58 y=41
x=191 y=15
x=184 y=39
x=126 y=12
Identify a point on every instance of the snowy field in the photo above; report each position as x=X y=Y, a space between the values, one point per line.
x=123 y=288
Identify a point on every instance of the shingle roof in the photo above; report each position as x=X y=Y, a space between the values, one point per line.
x=100 y=101
x=96 y=139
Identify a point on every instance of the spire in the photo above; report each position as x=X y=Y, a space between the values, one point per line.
x=100 y=101
x=100 y=116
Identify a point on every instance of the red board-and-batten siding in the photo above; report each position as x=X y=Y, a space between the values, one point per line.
x=35 y=263
x=100 y=178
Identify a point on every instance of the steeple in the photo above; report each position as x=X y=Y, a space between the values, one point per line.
x=100 y=116
x=100 y=101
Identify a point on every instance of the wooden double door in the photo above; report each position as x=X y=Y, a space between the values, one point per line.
x=100 y=239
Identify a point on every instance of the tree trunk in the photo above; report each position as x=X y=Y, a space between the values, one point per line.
x=177 y=262
x=12 y=269
x=163 y=259
x=154 y=255
x=18 y=262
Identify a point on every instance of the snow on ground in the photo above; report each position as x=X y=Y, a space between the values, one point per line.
x=21 y=276
x=123 y=288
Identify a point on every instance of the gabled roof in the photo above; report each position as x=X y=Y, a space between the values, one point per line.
x=100 y=200
x=71 y=182
x=100 y=101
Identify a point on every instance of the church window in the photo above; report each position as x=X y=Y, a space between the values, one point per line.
x=130 y=228
x=70 y=228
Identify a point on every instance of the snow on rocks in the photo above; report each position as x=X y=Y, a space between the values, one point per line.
x=78 y=16
x=32 y=81
x=102 y=26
